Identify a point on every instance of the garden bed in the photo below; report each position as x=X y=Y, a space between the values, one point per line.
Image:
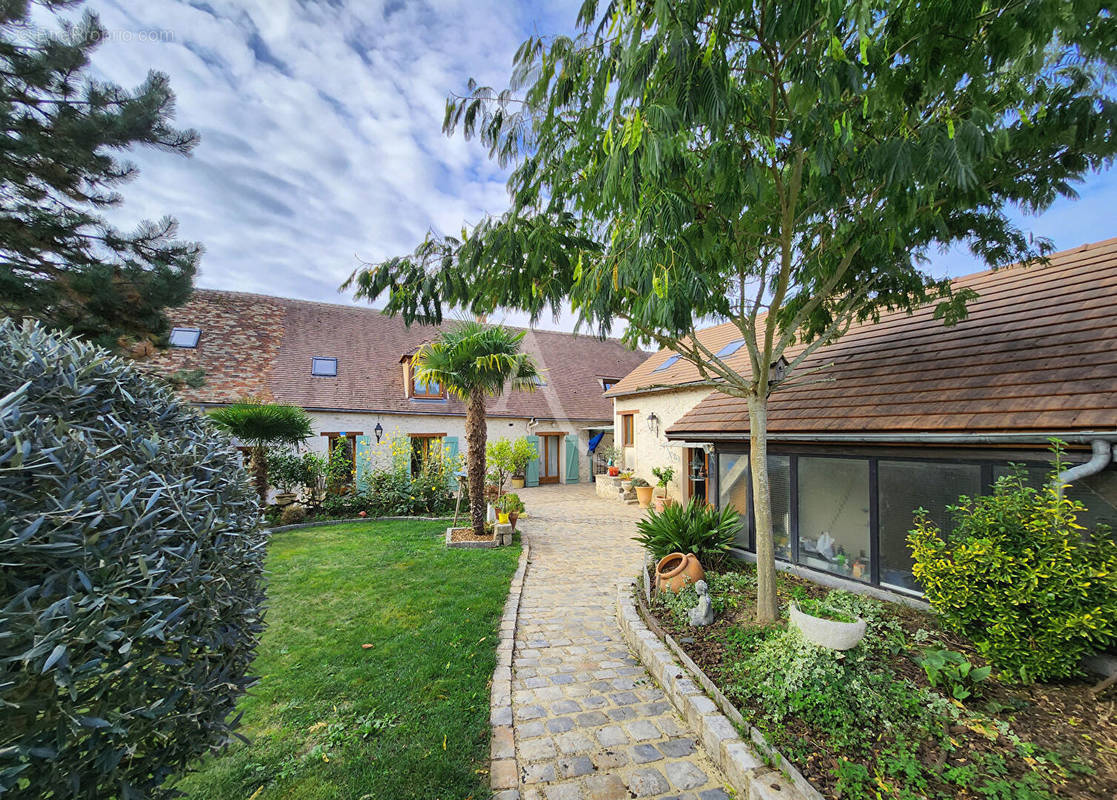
x=868 y=723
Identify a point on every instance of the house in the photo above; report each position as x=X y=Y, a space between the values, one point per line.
x=350 y=368
x=914 y=414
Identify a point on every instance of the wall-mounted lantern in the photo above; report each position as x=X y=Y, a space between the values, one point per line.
x=379 y=431
x=653 y=423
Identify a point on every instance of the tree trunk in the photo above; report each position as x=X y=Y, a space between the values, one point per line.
x=475 y=456
x=260 y=473
x=762 y=510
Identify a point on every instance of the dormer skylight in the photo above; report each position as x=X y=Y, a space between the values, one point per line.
x=730 y=348
x=323 y=367
x=184 y=337
x=666 y=364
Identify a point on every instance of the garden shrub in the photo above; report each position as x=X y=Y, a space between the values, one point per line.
x=1017 y=576
x=694 y=528
x=131 y=593
x=292 y=515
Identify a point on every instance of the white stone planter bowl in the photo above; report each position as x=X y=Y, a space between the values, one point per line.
x=827 y=632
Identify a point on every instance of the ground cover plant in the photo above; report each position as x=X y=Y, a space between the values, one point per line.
x=912 y=713
x=374 y=669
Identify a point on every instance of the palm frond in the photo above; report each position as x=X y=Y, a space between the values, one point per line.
x=259 y=423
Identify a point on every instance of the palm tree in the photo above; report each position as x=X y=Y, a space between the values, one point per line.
x=259 y=424
x=474 y=361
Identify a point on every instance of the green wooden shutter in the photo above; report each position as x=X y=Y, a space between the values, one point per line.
x=571 y=459
x=531 y=472
x=450 y=451
x=363 y=456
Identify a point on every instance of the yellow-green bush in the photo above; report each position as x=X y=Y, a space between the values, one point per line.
x=1031 y=588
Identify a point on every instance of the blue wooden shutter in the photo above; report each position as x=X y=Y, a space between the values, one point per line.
x=571 y=459
x=450 y=453
x=363 y=457
x=531 y=472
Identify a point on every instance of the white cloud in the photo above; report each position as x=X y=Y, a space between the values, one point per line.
x=321 y=131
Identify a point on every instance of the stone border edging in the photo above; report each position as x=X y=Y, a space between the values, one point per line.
x=750 y=776
x=504 y=769
x=325 y=522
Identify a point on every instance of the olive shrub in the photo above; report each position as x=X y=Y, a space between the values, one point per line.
x=131 y=593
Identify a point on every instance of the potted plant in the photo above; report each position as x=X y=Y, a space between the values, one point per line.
x=284 y=472
x=511 y=506
x=826 y=626
x=663 y=476
x=612 y=455
x=643 y=491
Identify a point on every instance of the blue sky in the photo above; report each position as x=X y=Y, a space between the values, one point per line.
x=321 y=132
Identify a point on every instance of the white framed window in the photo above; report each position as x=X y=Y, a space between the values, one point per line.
x=323 y=367
x=185 y=337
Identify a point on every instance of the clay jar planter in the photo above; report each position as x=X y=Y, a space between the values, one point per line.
x=676 y=571
x=512 y=517
x=661 y=502
x=644 y=495
x=827 y=632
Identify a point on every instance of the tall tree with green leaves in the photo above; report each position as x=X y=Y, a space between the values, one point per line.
x=61 y=166
x=261 y=425
x=783 y=166
x=474 y=361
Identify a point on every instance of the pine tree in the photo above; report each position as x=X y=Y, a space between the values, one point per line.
x=61 y=165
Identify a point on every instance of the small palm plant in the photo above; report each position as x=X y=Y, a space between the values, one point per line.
x=261 y=425
x=474 y=361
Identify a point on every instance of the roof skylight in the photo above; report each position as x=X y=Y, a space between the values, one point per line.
x=730 y=348
x=184 y=337
x=323 y=367
x=666 y=364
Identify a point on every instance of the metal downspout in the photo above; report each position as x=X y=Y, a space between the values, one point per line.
x=1103 y=455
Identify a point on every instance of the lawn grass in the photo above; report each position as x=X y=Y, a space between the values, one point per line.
x=406 y=718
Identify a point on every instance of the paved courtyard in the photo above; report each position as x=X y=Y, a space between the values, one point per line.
x=589 y=724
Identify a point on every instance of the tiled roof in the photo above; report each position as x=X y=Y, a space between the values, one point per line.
x=255 y=343
x=1037 y=353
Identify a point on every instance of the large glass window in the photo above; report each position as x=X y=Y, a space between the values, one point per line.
x=779 y=487
x=733 y=490
x=834 y=516
x=904 y=486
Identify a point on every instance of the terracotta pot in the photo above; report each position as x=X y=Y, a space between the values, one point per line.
x=644 y=495
x=659 y=503
x=512 y=517
x=517 y=483
x=614 y=472
x=676 y=571
x=285 y=498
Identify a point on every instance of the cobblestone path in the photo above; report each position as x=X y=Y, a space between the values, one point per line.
x=589 y=723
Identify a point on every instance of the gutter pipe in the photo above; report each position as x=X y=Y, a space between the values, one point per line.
x=1103 y=455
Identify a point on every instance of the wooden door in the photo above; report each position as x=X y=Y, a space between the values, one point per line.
x=550 y=457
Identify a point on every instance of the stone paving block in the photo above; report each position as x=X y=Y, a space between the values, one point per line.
x=684 y=775
x=645 y=754
x=646 y=782
x=537 y=773
x=591 y=719
x=642 y=730
x=502 y=774
x=537 y=749
x=713 y=794
x=574 y=743
x=677 y=748
x=609 y=759
x=559 y=725
x=575 y=767
x=606 y=787
x=620 y=713
x=563 y=791
x=503 y=744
